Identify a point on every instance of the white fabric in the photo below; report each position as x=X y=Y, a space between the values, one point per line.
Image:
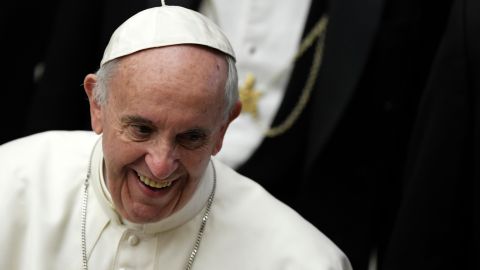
x=164 y=26
x=41 y=191
x=265 y=36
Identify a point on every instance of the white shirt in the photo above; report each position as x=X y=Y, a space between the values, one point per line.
x=41 y=183
x=265 y=36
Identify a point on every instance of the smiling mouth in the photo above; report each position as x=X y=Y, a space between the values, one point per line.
x=152 y=184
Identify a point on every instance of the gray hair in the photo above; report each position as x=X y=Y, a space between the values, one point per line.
x=106 y=71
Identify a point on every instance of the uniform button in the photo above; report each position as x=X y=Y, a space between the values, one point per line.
x=252 y=49
x=133 y=240
x=388 y=106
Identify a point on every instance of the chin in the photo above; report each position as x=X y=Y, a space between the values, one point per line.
x=143 y=218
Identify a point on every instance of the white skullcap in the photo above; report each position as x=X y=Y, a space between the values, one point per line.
x=165 y=26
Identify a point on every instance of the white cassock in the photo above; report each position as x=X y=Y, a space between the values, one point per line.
x=41 y=189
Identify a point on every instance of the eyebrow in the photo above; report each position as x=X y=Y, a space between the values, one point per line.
x=136 y=119
x=200 y=131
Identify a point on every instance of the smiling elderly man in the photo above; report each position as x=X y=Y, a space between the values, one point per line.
x=146 y=192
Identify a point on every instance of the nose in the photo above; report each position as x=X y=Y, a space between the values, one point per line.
x=162 y=160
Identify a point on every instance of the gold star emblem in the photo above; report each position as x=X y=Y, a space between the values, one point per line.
x=249 y=96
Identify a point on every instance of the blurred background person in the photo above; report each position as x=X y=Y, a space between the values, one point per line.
x=437 y=223
x=25 y=28
x=331 y=106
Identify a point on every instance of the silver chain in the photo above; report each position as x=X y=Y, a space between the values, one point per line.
x=196 y=246
x=200 y=233
x=84 y=210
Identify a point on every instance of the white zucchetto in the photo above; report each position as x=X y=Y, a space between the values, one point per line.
x=165 y=26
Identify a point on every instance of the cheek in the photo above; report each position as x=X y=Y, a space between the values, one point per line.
x=195 y=161
x=118 y=154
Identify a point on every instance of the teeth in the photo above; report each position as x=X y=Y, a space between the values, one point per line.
x=149 y=182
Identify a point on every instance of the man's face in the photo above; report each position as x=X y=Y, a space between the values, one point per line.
x=162 y=122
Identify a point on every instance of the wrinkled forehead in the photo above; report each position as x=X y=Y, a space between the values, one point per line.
x=165 y=26
x=189 y=71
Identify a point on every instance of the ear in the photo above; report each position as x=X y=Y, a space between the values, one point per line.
x=234 y=113
x=95 y=109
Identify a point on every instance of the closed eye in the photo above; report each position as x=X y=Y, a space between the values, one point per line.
x=138 y=128
x=141 y=131
x=192 y=139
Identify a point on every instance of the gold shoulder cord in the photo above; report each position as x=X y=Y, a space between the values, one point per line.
x=249 y=96
x=317 y=33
